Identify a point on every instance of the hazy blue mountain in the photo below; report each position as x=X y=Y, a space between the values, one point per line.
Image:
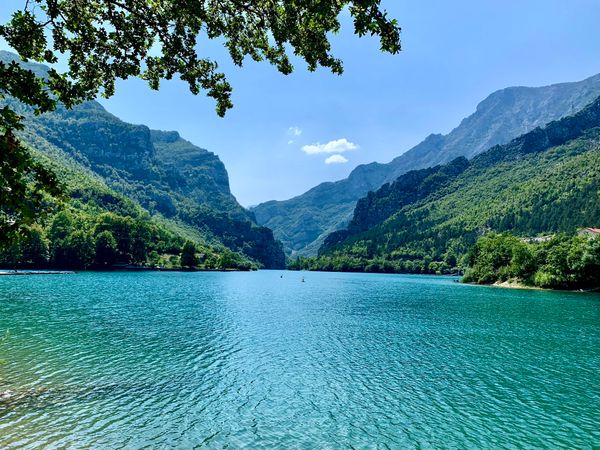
x=303 y=222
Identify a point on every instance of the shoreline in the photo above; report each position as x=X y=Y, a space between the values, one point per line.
x=35 y=272
x=518 y=285
x=512 y=284
x=28 y=272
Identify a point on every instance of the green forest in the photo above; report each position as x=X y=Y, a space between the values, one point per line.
x=558 y=262
x=156 y=185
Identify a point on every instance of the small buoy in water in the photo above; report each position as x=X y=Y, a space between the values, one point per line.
x=303 y=279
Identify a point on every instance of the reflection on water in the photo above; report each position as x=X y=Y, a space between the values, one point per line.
x=132 y=360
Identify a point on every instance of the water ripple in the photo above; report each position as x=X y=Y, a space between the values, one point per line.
x=212 y=360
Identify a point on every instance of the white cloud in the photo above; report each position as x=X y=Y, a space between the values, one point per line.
x=294 y=131
x=337 y=146
x=336 y=159
x=290 y=142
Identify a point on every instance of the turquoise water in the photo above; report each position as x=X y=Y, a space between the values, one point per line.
x=215 y=360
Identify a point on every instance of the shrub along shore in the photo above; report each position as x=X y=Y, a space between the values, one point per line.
x=557 y=262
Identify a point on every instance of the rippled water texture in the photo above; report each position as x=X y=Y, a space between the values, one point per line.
x=186 y=360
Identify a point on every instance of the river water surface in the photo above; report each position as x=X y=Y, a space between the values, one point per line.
x=257 y=360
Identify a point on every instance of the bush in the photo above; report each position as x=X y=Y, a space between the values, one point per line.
x=563 y=262
x=188 y=255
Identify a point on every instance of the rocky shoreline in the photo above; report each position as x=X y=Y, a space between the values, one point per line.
x=516 y=284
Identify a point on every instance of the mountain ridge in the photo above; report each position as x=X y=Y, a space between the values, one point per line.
x=500 y=117
x=544 y=181
x=164 y=173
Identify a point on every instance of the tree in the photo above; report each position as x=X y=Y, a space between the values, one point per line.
x=34 y=248
x=62 y=225
x=106 y=249
x=76 y=251
x=591 y=262
x=122 y=229
x=188 y=255
x=106 y=40
x=30 y=251
x=24 y=184
x=499 y=257
x=227 y=260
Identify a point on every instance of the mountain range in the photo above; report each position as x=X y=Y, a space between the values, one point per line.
x=167 y=184
x=163 y=173
x=546 y=181
x=303 y=222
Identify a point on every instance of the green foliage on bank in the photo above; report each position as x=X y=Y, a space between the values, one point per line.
x=78 y=239
x=347 y=263
x=561 y=262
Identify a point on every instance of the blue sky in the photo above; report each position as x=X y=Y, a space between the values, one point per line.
x=282 y=130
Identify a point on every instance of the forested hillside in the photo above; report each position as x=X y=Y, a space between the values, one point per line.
x=168 y=176
x=546 y=181
x=93 y=226
x=303 y=222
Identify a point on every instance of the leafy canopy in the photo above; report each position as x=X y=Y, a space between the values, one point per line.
x=106 y=40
